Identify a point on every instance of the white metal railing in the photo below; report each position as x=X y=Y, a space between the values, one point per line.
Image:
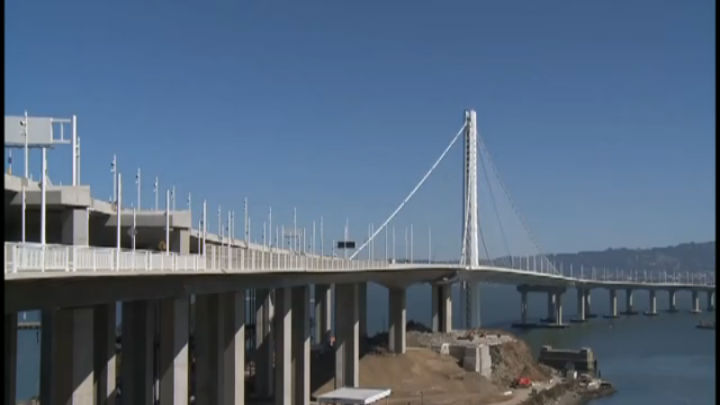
x=33 y=257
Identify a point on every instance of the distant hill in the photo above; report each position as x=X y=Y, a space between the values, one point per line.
x=683 y=257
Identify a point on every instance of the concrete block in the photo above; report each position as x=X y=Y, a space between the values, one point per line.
x=443 y=348
x=477 y=359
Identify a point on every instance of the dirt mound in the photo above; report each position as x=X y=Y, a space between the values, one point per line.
x=420 y=375
x=514 y=359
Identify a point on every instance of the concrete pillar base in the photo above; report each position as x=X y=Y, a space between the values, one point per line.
x=398 y=320
x=283 y=346
x=347 y=372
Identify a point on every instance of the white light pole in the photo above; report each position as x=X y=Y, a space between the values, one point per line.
x=134 y=232
x=189 y=201
x=386 y=243
x=75 y=153
x=270 y=227
x=118 y=209
x=393 y=244
x=313 y=237
x=204 y=228
x=219 y=228
x=24 y=208
x=156 y=190
x=322 y=238
x=43 y=207
x=114 y=171
x=246 y=219
x=27 y=150
x=167 y=222
x=172 y=195
x=137 y=182
x=295 y=239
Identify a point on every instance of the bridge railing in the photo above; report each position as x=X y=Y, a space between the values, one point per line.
x=34 y=257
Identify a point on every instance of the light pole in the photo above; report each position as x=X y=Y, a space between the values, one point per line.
x=137 y=182
x=118 y=208
x=156 y=190
x=113 y=170
x=322 y=238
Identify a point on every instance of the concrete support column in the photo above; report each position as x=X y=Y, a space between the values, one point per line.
x=283 y=346
x=581 y=299
x=550 y=307
x=695 y=302
x=362 y=290
x=523 y=306
x=588 y=312
x=672 y=301
x=232 y=347
x=652 y=305
x=10 y=358
x=66 y=365
x=441 y=308
x=558 y=307
x=74 y=227
x=136 y=370
x=629 y=302
x=174 y=351
x=613 y=303
x=301 y=345
x=473 y=306
x=711 y=300
x=264 y=347
x=398 y=319
x=347 y=372
x=105 y=358
x=323 y=312
x=208 y=376
x=180 y=241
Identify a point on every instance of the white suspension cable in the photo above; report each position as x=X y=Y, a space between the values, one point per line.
x=409 y=195
x=533 y=240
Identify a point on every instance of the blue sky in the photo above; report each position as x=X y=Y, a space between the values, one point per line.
x=599 y=115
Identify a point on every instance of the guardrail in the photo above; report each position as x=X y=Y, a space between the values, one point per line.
x=36 y=258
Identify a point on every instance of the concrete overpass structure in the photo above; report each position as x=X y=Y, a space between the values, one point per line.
x=192 y=299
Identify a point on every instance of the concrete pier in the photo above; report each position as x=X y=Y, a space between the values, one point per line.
x=441 y=308
x=695 y=302
x=104 y=356
x=283 y=346
x=558 y=307
x=301 y=345
x=66 y=366
x=74 y=228
x=362 y=307
x=523 y=307
x=672 y=302
x=207 y=350
x=232 y=320
x=323 y=311
x=652 y=304
x=710 y=300
x=580 y=305
x=263 y=355
x=136 y=370
x=588 y=312
x=347 y=372
x=174 y=350
x=550 y=307
x=629 y=303
x=10 y=358
x=397 y=315
x=613 y=303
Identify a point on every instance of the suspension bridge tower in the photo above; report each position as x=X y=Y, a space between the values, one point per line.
x=470 y=297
